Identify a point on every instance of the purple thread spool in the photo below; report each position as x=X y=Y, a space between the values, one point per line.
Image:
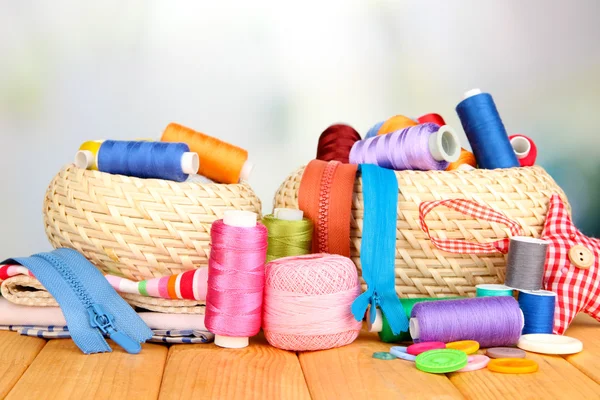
x=491 y=321
x=423 y=147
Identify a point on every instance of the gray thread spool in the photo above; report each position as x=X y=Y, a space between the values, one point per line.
x=525 y=264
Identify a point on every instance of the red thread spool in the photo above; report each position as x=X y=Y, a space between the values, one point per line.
x=525 y=149
x=435 y=118
x=335 y=143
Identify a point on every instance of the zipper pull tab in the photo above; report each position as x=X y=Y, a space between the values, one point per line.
x=105 y=323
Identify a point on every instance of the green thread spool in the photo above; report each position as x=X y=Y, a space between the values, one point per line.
x=493 y=290
x=289 y=233
x=386 y=335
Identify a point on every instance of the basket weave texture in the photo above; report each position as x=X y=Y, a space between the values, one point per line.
x=138 y=228
x=422 y=270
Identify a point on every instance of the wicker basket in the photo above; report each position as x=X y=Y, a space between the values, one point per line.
x=138 y=228
x=422 y=270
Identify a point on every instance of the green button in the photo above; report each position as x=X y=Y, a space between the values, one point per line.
x=441 y=361
x=382 y=355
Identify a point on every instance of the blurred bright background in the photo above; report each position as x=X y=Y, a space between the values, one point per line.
x=271 y=75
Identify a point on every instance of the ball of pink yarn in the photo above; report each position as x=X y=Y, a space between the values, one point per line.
x=307 y=302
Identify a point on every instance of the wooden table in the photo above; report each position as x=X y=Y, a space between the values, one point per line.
x=32 y=368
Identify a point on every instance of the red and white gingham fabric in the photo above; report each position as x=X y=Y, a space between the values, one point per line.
x=576 y=289
x=475 y=210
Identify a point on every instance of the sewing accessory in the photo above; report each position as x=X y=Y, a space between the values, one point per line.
x=466 y=162
x=219 y=160
x=550 y=344
x=538 y=308
x=382 y=355
x=512 y=365
x=307 y=302
x=396 y=123
x=475 y=363
x=441 y=361
x=468 y=346
x=485 y=131
x=374 y=129
x=431 y=118
x=91 y=148
x=505 y=352
x=493 y=289
x=491 y=321
x=335 y=143
x=525 y=149
x=418 y=348
x=236 y=277
x=422 y=147
x=289 y=233
x=189 y=285
x=525 y=263
x=378 y=248
x=171 y=161
x=325 y=196
x=400 y=352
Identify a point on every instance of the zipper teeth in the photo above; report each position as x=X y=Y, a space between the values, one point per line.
x=326 y=181
x=73 y=281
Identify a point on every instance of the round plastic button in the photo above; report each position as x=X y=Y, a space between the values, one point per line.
x=581 y=257
x=546 y=343
x=505 y=352
x=476 y=362
x=441 y=361
x=512 y=365
x=418 y=348
x=382 y=355
x=468 y=346
x=400 y=352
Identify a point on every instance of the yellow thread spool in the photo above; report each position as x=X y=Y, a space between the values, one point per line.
x=92 y=146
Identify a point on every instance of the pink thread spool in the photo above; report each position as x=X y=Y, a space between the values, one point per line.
x=236 y=277
x=307 y=302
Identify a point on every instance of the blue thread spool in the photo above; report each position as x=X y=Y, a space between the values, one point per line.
x=538 y=310
x=493 y=290
x=485 y=131
x=374 y=129
x=161 y=160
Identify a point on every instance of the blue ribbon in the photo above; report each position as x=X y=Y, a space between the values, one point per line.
x=378 y=248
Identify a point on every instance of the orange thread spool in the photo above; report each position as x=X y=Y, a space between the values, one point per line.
x=219 y=161
x=396 y=123
x=465 y=158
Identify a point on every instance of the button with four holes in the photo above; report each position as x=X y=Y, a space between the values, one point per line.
x=581 y=256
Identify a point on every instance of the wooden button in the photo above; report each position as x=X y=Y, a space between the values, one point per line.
x=581 y=257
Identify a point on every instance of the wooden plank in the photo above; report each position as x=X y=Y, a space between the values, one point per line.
x=586 y=329
x=61 y=371
x=351 y=372
x=259 y=371
x=17 y=352
x=555 y=379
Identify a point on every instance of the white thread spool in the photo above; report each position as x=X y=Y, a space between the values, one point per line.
x=444 y=144
x=288 y=214
x=241 y=219
x=85 y=159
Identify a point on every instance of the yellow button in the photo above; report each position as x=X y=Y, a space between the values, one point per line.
x=581 y=256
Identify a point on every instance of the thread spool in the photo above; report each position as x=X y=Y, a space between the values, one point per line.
x=335 y=143
x=236 y=273
x=433 y=118
x=422 y=147
x=491 y=321
x=172 y=161
x=219 y=160
x=373 y=130
x=525 y=263
x=396 y=123
x=91 y=148
x=485 y=131
x=492 y=290
x=466 y=162
x=308 y=300
x=289 y=233
x=382 y=327
x=525 y=149
x=538 y=309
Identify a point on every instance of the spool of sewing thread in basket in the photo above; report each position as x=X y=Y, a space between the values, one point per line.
x=373 y=130
x=91 y=147
x=308 y=302
x=466 y=162
x=485 y=131
x=219 y=161
x=382 y=327
x=289 y=233
x=172 y=161
x=422 y=147
x=525 y=263
x=433 y=118
x=491 y=321
x=525 y=149
x=492 y=290
x=236 y=277
x=335 y=143
x=538 y=309
x=396 y=123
